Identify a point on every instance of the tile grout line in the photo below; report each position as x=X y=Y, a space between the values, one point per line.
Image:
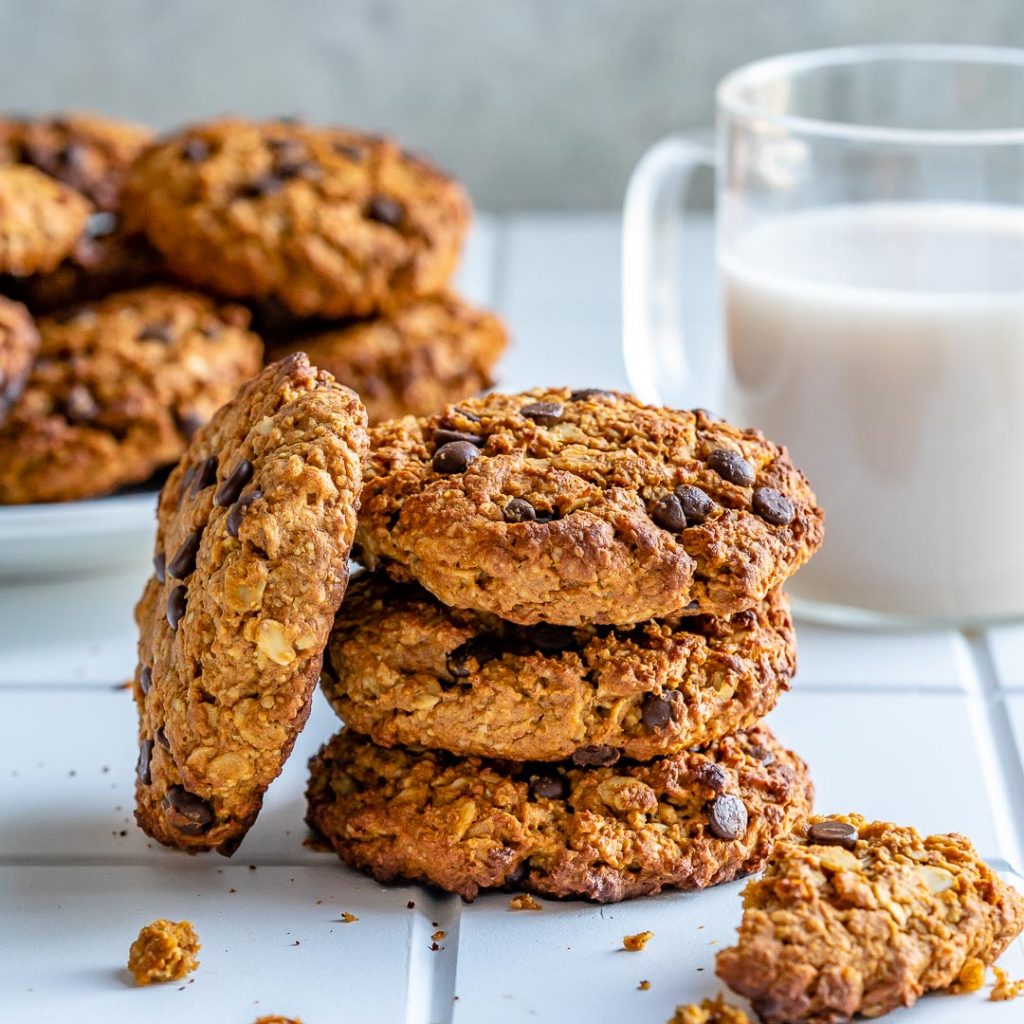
x=1001 y=762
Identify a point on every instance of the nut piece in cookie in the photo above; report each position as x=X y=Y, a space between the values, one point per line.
x=254 y=528
x=573 y=507
x=164 y=951
x=19 y=343
x=605 y=832
x=405 y=670
x=857 y=917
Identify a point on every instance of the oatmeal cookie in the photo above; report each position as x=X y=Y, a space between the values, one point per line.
x=575 y=507
x=404 y=669
x=606 y=832
x=253 y=534
x=19 y=343
x=413 y=360
x=164 y=951
x=118 y=389
x=329 y=222
x=861 y=917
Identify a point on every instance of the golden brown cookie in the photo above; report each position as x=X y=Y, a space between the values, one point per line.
x=118 y=389
x=413 y=360
x=164 y=951
x=40 y=220
x=328 y=221
x=857 y=917
x=253 y=534
x=686 y=821
x=404 y=669
x=19 y=342
x=576 y=507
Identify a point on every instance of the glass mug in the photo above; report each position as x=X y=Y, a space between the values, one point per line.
x=870 y=252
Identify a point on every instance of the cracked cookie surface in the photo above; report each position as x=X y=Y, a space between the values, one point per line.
x=251 y=562
x=405 y=670
x=574 y=507
x=860 y=917
x=117 y=390
x=328 y=221
x=609 y=833
x=19 y=343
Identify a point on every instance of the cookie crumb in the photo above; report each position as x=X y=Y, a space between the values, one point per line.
x=348 y=918
x=275 y=1019
x=634 y=943
x=410 y=905
x=438 y=935
x=524 y=901
x=164 y=951
x=434 y=947
x=644 y=985
x=1004 y=989
x=709 y=1011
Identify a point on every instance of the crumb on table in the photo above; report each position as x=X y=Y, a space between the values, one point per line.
x=644 y=985
x=438 y=935
x=1004 y=988
x=275 y=1019
x=634 y=943
x=348 y=917
x=709 y=1011
x=524 y=901
x=164 y=951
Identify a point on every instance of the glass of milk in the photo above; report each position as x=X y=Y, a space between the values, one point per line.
x=870 y=247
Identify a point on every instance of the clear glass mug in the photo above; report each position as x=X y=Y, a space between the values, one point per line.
x=870 y=251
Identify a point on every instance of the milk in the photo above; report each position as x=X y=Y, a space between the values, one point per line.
x=884 y=344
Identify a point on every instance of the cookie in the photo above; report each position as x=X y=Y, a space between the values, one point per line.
x=253 y=534
x=118 y=389
x=40 y=220
x=411 y=361
x=164 y=951
x=329 y=222
x=19 y=342
x=609 y=833
x=403 y=669
x=575 y=507
x=858 y=917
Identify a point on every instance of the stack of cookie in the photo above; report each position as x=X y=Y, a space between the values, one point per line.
x=554 y=671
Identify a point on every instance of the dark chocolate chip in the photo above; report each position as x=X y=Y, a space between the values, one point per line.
x=187 y=477
x=443 y=436
x=727 y=817
x=176 y=601
x=549 y=787
x=518 y=874
x=161 y=738
x=187 y=813
x=668 y=513
x=142 y=772
x=731 y=466
x=584 y=393
x=772 y=506
x=762 y=754
x=164 y=333
x=194 y=150
x=466 y=415
x=233 y=484
x=73 y=156
x=656 y=711
x=347 y=149
x=519 y=510
x=160 y=566
x=264 y=185
x=145 y=680
x=384 y=210
x=286 y=170
x=205 y=475
x=550 y=638
x=459 y=661
x=183 y=564
x=544 y=413
x=833 y=833
x=454 y=457
x=712 y=775
x=188 y=423
x=697 y=505
x=599 y=755
x=235 y=513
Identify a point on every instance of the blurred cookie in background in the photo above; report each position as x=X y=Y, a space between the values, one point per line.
x=19 y=342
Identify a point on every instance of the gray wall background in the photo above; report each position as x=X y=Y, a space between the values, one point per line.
x=533 y=103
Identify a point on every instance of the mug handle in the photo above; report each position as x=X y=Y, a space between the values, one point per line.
x=652 y=326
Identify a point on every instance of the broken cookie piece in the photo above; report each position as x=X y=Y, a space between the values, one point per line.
x=164 y=951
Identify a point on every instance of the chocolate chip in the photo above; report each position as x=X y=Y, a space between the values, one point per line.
x=101 y=224
x=549 y=787
x=519 y=510
x=668 y=513
x=233 y=484
x=142 y=772
x=235 y=513
x=160 y=566
x=164 y=333
x=731 y=466
x=161 y=738
x=833 y=833
x=194 y=150
x=176 y=601
x=544 y=413
x=697 y=505
x=518 y=874
x=187 y=477
x=772 y=506
x=466 y=415
x=727 y=817
x=459 y=661
x=205 y=475
x=762 y=754
x=712 y=775
x=187 y=813
x=454 y=457
x=656 y=711
x=188 y=423
x=347 y=149
x=584 y=393
x=599 y=755
x=183 y=564
x=550 y=638
x=443 y=436
x=264 y=185
x=73 y=156
x=145 y=680
x=384 y=210
x=286 y=170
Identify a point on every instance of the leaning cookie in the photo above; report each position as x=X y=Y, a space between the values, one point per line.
x=572 y=507
x=604 y=833
x=327 y=221
x=856 y=918
x=404 y=669
x=413 y=360
x=253 y=534
x=19 y=343
x=117 y=390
